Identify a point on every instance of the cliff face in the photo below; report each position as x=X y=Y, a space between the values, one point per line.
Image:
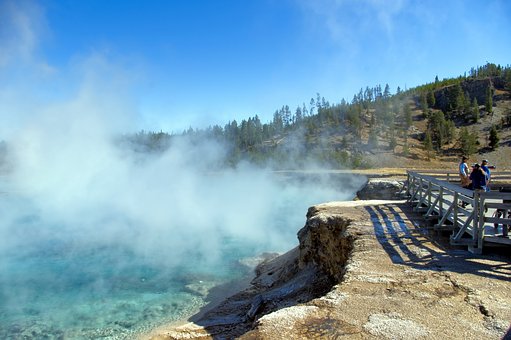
x=325 y=243
x=364 y=269
x=476 y=88
x=397 y=284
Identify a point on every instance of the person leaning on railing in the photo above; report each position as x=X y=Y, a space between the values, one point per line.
x=486 y=168
x=478 y=178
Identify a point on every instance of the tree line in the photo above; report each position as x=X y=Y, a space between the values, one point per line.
x=344 y=134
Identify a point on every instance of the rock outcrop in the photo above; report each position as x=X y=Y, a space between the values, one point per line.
x=380 y=189
x=398 y=284
x=476 y=88
x=325 y=242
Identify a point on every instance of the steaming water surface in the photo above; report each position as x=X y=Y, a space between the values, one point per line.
x=59 y=282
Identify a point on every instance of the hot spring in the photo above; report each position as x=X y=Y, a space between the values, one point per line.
x=113 y=269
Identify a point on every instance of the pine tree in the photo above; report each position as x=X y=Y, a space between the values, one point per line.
x=431 y=99
x=455 y=97
x=467 y=141
x=386 y=92
x=408 y=116
x=494 y=138
x=344 y=142
x=428 y=144
x=466 y=103
x=424 y=103
x=286 y=116
x=406 y=148
x=475 y=110
x=439 y=128
x=372 y=121
x=392 y=141
x=304 y=110
x=460 y=101
x=450 y=131
x=373 y=138
x=298 y=117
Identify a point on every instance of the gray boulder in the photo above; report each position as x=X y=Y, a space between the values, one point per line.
x=380 y=189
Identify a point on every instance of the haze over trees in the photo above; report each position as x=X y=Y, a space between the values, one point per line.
x=348 y=133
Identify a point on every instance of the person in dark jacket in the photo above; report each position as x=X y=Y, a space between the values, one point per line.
x=478 y=178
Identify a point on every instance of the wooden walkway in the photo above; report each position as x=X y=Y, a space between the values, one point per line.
x=469 y=215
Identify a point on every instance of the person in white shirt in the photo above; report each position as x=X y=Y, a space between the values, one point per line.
x=464 y=172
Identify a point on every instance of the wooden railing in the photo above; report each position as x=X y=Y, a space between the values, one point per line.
x=453 y=176
x=468 y=214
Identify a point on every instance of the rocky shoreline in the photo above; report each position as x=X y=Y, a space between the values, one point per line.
x=364 y=269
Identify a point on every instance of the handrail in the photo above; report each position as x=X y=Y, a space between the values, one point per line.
x=500 y=175
x=434 y=171
x=441 y=199
x=452 y=187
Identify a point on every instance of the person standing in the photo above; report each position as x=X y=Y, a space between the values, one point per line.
x=478 y=178
x=464 y=173
x=486 y=168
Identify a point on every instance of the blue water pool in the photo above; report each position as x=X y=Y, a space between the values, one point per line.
x=115 y=272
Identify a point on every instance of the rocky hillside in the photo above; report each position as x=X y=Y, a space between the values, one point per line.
x=448 y=154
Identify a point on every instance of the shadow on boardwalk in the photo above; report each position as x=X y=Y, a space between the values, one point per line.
x=399 y=231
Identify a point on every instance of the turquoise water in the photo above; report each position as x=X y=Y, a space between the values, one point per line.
x=58 y=281
x=62 y=290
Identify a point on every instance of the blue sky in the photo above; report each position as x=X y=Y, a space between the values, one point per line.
x=174 y=64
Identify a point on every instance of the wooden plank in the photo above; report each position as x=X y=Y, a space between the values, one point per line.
x=497 y=239
x=463 y=211
x=503 y=206
x=462 y=242
x=446 y=214
x=465 y=227
x=506 y=221
x=443 y=227
x=496 y=195
x=432 y=206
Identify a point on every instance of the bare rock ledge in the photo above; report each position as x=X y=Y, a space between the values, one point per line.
x=364 y=270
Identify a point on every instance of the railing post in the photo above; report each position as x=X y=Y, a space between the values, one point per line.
x=455 y=211
x=421 y=188
x=475 y=222
x=480 y=231
x=408 y=184
x=441 y=200
x=505 y=226
x=478 y=223
x=429 y=193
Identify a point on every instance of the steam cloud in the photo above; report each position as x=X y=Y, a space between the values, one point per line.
x=71 y=182
x=83 y=219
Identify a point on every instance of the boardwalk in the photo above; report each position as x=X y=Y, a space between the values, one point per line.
x=469 y=215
